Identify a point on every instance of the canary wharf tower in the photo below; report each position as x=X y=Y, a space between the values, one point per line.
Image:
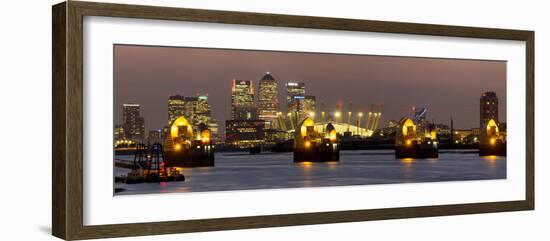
x=268 y=103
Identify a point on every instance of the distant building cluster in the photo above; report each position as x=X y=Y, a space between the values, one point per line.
x=196 y=109
x=257 y=118
x=133 y=124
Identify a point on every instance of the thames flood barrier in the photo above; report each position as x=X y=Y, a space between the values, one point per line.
x=185 y=147
x=492 y=142
x=414 y=142
x=492 y=139
x=310 y=145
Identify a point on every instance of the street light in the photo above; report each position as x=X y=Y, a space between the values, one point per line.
x=359 y=115
x=337 y=115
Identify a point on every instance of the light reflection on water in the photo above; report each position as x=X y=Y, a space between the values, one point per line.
x=492 y=161
x=277 y=170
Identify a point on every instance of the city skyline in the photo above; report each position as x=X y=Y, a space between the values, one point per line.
x=134 y=74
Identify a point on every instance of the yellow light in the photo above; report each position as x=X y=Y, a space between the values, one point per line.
x=409 y=142
x=490 y=158
x=303 y=129
x=177 y=147
x=433 y=134
x=406 y=124
x=407 y=160
x=289 y=114
x=360 y=114
x=307 y=144
x=205 y=136
x=337 y=114
x=493 y=141
x=306 y=165
x=332 y=135
x=180 y=121
x=311 y=114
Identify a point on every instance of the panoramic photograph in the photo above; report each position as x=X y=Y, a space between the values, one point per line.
x=192 y=119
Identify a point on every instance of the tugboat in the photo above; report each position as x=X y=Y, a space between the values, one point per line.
x=184 y=148
x=312 y=146
x=491 y=143
x=413 y=143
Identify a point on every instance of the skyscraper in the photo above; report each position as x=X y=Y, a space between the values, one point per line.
x=268 y=103
x=133 y=124
x=488 y=108
x=189 y=107
x=242 y=100
x=202 y=114
x=176 y=107
x=202 y=109
x=181 y=106
x=294 y=89
x=197 y=110
x=302 y=106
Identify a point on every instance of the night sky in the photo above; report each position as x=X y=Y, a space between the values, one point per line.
x=447 y=87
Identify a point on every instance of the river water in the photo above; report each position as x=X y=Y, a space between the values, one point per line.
x=241 y=171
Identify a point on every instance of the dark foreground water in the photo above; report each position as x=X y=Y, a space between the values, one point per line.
x=241 y=171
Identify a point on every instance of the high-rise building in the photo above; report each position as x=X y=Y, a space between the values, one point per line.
x=189 y=107
x=488 y=107
x=181 y=106
x=176 y=107
x=195 y=109
x=242 y=100
x=202 y=114
x=119 y=132
x=302 y=106
x=133 y=123
x=268 y=103
x=294 y=89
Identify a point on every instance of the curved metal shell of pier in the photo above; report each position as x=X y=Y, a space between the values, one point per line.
x=185 y=147
x=492 y=142
x=414 y=140
x=407 y=132
x=313 y=145
x=331 y=133
x=307 y=134
x=181 y=128
x=492 y=128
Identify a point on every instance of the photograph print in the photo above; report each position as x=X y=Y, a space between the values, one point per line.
x=190 y=119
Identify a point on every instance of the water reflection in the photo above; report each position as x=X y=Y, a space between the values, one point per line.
x=332 y=165
x=407 y=169
x=306 y=166
x=491 y=162
x=247 y=172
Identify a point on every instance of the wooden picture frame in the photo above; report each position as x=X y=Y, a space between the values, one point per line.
x=67 y=124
